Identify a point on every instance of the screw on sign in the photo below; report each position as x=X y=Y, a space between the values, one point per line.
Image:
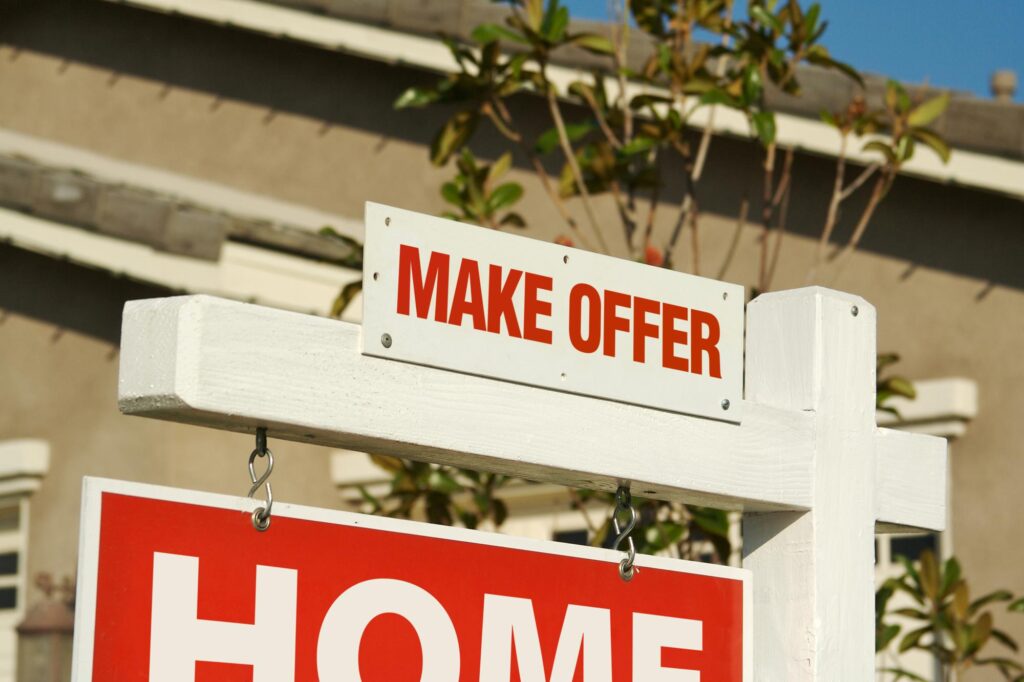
x=333 y=596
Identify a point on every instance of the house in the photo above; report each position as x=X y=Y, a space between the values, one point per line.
x=155 y=147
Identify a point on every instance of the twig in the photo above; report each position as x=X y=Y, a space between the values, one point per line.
x=767 y=208
x=570 y=158
x=581 y=507
x=833 y=210
x=705 y=138
x=882 y=185
x=695 y=237
x=602 y=123
x=741 y=223
x=780 y=221
x=619 y=59
x=780 y=195
x=861 y=179
x=652 y=208
x=501 y=118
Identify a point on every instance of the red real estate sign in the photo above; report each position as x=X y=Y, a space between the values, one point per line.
x=177 y=586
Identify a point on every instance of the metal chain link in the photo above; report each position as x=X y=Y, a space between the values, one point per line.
x=624 y=506
x=261 y=515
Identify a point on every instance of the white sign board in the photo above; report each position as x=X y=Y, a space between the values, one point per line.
x=464 y=298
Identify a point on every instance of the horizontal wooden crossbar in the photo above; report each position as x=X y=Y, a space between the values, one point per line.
x=234 y=366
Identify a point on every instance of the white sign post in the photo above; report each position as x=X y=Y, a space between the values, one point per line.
x=814 y=475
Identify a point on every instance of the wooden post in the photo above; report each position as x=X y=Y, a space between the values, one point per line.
x=813 y=350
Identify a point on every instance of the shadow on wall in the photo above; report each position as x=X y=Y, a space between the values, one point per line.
x=946 y=227
x=70 y=296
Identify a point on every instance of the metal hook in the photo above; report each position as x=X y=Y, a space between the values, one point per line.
x=261 y=515
x=624 y=503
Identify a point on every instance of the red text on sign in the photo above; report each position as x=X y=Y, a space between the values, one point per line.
x=419 y=291
x=609 y=313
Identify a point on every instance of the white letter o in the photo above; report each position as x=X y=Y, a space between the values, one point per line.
x=337 y=648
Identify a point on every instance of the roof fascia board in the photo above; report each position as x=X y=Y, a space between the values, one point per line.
x=971 y=169
x=184 y=188
x=244 y=273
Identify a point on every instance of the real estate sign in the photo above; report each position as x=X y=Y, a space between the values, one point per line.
x=458 y=297
x=176 y=586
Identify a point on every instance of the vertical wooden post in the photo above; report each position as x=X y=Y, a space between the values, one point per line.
x=813 y=349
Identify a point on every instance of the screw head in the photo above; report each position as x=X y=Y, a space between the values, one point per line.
x=725 y=404
x=854 y=311
x=387 y=221
x=385 y=340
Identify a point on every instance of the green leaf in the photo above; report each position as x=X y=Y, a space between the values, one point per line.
x=884 y=636
x=981 y=602
x=928 y=111
x=929 y=571
x=950 y=570
x=828 y=118
x=881 y=147
x=453 y=136
x=820 y=56
x=641 y=101
x=499 y=168
x=450 y=192
x=1017 y=606
x=345 y=297
x=912 y=638
x=500 y=512
x=710 y=521
x=1005 y=639
x=416 y=97
x=902 y=387
x=549 y=138
x=752 y=87
x=896 y=96
x=718 y=96
x=504 y=196
x=933 y=141
x=555 y=22
x=901 y=674
x=513 y=219
x=811 y=19
x=638 y=145
x=764 y=126
x=593 y=43
x=488 y=33
x=766 y=18
x=534 y=13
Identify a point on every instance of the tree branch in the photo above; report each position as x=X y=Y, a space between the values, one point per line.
x=502 y=120
x=882 y=185
x=741 y=223
x=574 y=166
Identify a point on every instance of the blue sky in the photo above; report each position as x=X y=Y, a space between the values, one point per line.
x=948 y=43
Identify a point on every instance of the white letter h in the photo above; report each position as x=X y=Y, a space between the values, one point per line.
x=178 y=638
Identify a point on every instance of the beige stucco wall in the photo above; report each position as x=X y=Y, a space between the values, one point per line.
x=61 y=386
x=940 y=268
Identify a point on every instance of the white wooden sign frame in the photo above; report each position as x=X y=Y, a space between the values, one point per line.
x=807 y=464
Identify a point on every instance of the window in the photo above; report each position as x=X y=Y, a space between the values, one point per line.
x=10 y=554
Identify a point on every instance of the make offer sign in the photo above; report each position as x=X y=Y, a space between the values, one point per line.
x=177 y=586
x=463 y=298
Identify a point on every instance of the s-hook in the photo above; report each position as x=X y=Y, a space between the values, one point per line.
x=261 y=515
x=624 y=506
